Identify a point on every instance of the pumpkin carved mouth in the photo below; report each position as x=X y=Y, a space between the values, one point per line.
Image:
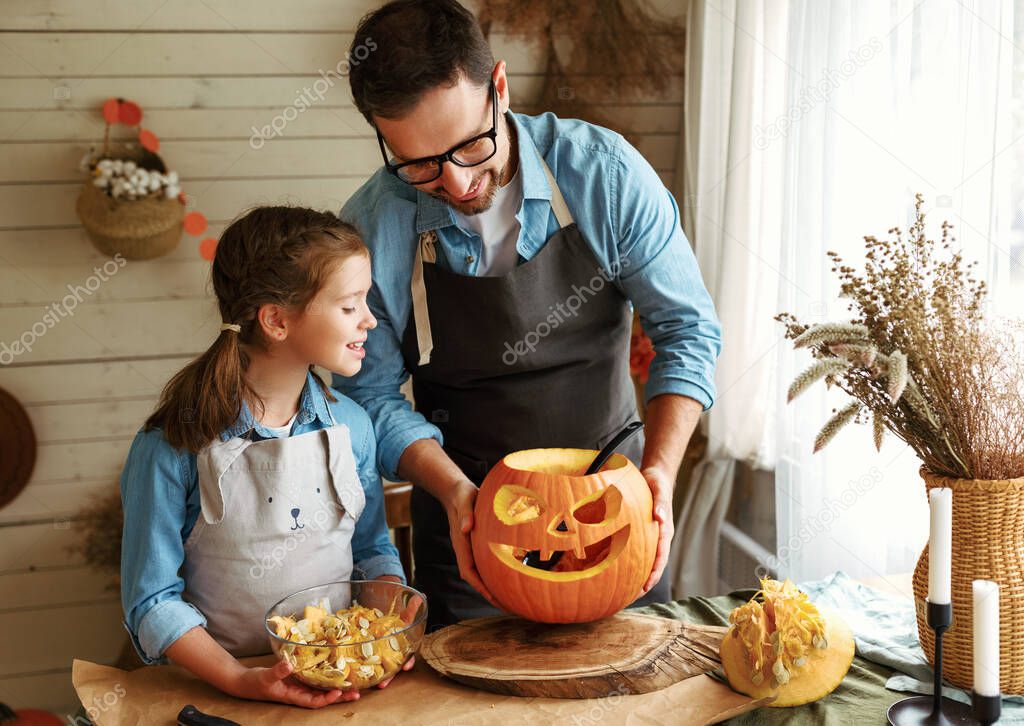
x=597 y=557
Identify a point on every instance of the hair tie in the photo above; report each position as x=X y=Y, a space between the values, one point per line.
x=231 y=326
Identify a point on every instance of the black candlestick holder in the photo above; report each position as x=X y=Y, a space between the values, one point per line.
x=933 y=709
x=986 y=708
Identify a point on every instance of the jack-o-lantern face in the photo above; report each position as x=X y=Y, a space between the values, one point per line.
x=556 y=546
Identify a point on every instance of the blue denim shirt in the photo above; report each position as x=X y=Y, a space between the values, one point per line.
x=622 y=209
x=160 y=494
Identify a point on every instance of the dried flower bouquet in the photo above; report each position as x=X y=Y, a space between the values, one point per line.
x=919 y=359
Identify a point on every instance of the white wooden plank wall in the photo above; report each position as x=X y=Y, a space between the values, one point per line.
x=204 y=72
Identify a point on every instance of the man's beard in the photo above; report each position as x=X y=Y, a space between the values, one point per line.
x=481 y=202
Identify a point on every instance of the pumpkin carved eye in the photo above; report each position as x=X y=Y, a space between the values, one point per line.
x=518 y=505
x=599 y=508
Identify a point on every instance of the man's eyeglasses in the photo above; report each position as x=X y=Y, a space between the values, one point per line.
x=475 y=151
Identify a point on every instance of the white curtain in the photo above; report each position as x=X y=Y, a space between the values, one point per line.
x=811 y=123
x=922 y=107
x=731 y=211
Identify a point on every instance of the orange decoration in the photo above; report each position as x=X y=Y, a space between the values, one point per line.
x=195 y=223
x=149 y=140
x=111 y=110
x=129 y=113
x=641 y=353
x=208 y=248
x=27 y=717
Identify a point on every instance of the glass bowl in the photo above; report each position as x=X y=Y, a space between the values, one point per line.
x=357 y=650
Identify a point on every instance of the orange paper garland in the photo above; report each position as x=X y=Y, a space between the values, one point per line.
x=195 y=223
x=208 y=248
x=129 y=113
x=111 y=111
x=149 y=140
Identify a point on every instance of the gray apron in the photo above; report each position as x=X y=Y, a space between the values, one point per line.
x=537 y=358
x=277 y=517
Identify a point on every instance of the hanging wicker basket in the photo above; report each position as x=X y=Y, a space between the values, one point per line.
x=137 y=229
x=988 y=544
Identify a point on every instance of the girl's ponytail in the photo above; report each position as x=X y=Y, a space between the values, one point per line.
x=272 y=255
x=202 y=399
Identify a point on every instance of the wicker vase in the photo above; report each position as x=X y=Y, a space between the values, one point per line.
x=988 y=544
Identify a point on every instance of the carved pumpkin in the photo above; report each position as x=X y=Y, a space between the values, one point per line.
x=555 y=546
x=781 y=644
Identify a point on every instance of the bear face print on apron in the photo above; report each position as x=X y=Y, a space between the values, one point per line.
x=277 y=517
x=535 y=358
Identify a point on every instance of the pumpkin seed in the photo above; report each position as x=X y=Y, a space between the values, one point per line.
x=780 y=672
x=757 y=679
x=367 y=649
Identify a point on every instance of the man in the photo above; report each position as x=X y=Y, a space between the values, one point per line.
x=508 y=253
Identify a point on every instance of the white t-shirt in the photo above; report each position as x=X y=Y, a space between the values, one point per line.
x=283 y=432
x=498 y=229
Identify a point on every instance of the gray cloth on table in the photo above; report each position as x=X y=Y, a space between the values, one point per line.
x=885 y=628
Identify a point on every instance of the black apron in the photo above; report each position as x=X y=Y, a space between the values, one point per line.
x=537 y=358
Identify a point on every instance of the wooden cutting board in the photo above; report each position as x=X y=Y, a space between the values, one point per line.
x=628 y=653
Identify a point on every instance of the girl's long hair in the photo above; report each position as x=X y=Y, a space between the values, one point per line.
x=271 y=255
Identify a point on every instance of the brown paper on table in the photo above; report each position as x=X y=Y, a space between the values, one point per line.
x=155 y=695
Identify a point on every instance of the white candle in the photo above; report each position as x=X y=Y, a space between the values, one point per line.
x=986 y=638
x=940 y=545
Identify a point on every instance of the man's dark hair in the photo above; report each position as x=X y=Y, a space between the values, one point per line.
x=414 y=46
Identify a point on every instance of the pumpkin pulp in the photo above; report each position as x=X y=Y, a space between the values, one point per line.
x=781 y=644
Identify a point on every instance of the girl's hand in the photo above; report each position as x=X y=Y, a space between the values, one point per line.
x=407 y=666
x=269 y=684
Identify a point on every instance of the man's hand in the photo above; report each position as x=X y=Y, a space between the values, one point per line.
x=671 y=420
x=459 y=506
x=425 y=464
x=661 y=489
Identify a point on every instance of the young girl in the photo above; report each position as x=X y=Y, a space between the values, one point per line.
x=253 y=479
